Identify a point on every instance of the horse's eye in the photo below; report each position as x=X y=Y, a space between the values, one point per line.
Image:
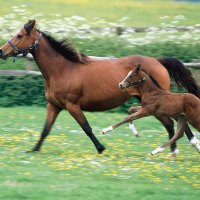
x=19 y=36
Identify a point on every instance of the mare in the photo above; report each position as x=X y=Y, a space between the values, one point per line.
x=184 y=107
x=77 y=83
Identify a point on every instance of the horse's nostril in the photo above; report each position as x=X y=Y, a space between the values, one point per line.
x=121 y=86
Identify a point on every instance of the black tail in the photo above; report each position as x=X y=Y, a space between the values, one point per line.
x=180 y=75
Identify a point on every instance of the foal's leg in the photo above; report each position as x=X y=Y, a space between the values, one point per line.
x=182 y=121
x=78 y=115
x=52 y=113
x=139 y=114
x=131 y=110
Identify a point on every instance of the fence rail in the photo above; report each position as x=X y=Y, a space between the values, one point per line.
x=38 y=73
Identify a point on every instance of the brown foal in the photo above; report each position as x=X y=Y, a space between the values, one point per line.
x=184 y=107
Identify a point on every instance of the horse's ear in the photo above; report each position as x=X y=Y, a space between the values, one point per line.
x=138 y=69
x=30 y=25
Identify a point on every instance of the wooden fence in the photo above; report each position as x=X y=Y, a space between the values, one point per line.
x=38 y=73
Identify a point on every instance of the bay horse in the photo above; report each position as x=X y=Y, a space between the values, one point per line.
x=184 y=107
x=77 y=83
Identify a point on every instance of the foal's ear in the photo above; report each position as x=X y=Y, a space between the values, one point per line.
x=138 y=69
x=30 y=25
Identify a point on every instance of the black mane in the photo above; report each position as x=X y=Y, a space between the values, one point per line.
x=65 y=48
x=153 y=79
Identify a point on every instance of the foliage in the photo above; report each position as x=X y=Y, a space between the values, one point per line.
x=29 y=90
x=24 y=90
x=69 y=168
x=116 y=47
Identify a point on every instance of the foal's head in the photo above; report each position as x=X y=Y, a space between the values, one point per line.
x=22 y=42
x=135 y=78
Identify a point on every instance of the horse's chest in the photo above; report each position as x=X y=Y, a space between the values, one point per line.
x=51 y=97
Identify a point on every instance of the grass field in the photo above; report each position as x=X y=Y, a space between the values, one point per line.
x=140 y=13
x=68 y=166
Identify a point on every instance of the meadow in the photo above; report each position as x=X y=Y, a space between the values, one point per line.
x=139 y=13
x=68 y=167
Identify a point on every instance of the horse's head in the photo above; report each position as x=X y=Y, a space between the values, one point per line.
x=135 y=78
x=22 y=42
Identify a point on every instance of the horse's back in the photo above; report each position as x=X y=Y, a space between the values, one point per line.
x=99 y=80
x=154 y=68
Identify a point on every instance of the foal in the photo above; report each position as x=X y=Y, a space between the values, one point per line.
x=155 y=100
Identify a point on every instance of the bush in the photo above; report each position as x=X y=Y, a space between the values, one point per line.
x=20 y=91
x=29 y=90
x=116 y=47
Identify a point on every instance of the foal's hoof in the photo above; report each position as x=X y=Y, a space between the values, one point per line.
x=101 y=150
x=104 y=130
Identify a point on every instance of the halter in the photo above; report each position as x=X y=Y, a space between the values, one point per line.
x=138 y=83
x=25 y=50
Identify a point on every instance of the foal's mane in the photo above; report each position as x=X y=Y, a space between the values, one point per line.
x=153 y=79
x=65 y=48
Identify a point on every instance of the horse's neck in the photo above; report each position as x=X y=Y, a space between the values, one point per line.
x=149 y=88
x=47 y=59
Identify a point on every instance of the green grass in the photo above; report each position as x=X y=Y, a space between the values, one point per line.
x=68 y=166
x=141 y=13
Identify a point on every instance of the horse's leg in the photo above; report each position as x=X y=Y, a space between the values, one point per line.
x=168 y=123
x=139 y=114
x=78 y=115
x=193 y=140
x=131 y=110
x=182 y=121
x=52 y=113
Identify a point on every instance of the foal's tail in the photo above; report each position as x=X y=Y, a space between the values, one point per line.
x=180 y=75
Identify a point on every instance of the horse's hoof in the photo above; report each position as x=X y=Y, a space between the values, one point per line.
x=195 y=143
x=137 y=135
x=173 y=153
x=101 y=150
x=150 y=154
x=32 y=151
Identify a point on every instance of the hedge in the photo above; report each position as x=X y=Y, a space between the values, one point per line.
x=29 y=90
x=21 y=91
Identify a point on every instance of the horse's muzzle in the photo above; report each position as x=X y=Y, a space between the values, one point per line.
x=122 y=86
x=2 y=55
